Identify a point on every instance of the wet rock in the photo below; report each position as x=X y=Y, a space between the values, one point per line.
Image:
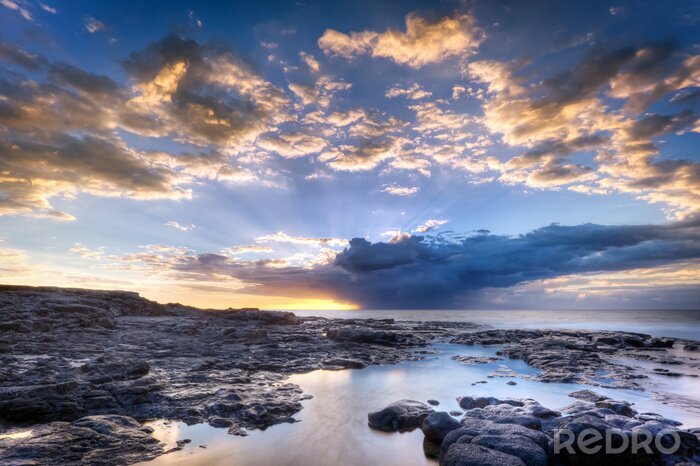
x=91 y=440
x=521 y=447
x=662 y=343
x=363 y=336
x=470 y=454
x=588 y=395
x=622 y=408
x=400 y=415
x=475 y=359
x=433 y=402
x=469 y=402
x=566 y=356
x=437 y=425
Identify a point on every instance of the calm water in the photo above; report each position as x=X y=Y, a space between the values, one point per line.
x=679 y=324
x=332 y=427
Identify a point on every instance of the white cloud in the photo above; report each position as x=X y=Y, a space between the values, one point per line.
x=429 y=225
x=180 y=227
x=397 y=190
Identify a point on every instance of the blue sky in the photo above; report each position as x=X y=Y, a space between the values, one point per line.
x=225 y=154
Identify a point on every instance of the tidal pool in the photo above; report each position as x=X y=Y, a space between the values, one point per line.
x=332 y=428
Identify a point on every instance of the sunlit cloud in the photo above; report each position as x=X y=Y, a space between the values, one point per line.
x=422 y=43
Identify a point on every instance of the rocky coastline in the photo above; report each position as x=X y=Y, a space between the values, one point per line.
x=82 y=370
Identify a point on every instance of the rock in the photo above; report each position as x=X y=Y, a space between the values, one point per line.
x=475 y=359
x=619 y=407
x=363 y=336
x=400 y=415
x=588 y=395
x=433 y=402
x=566 y=356
x=522 y=447
x=111 y=439
x=662 y=342
x=437 y=425
x=469 y=454
x=468 y=402
x=338 y=363
x=262 y=317
x=431 y=449
x=510 y=382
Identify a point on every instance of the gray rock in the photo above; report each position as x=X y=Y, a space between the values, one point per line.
x=588 y=395
x=400 y=415
x=437 y=425
x=469 y=454
x=522 y=447
x=93 y=440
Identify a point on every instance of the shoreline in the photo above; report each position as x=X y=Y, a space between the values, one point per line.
x=92 y=366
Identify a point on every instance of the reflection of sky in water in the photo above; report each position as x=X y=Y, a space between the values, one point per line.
x=15 y=435
x=678 y=324
x=333 y=427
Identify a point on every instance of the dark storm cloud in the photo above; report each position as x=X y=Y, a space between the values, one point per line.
x=432 y=272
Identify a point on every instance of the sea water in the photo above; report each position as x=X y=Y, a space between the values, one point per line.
x=332 y=428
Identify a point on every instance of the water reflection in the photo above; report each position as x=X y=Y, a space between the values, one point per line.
x=332 y=427
x=15 y=435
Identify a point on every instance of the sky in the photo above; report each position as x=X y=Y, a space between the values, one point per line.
x=354 y=154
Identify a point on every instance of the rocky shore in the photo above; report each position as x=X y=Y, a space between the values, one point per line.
x=522 y=432
x=82 y=370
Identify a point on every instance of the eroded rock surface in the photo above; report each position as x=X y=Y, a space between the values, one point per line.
x=93 y=440
x=585 y=357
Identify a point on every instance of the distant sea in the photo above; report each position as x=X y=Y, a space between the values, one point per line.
x=668 y=323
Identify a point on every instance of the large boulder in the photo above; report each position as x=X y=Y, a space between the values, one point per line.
x=400 y=415
x=470 y=454
x=516 y=445
x=437 y=425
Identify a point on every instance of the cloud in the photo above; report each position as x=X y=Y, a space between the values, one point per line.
x=19 y=6
x=429 y=225
x=199 y=94
x=281 y=237
x=397 y=190
x=320 y=93
x=594 y=107
x=311 y=62
x=84 y=252
x=422 y=43
x=414 y=92
x=439 y=271
x=254 y=248
x=366 y=156
x=31 y=173
x=432 y=272
x=93 y=25
x=62 y=125
x=292 y=145
x=48 y=8
x=180 y=227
